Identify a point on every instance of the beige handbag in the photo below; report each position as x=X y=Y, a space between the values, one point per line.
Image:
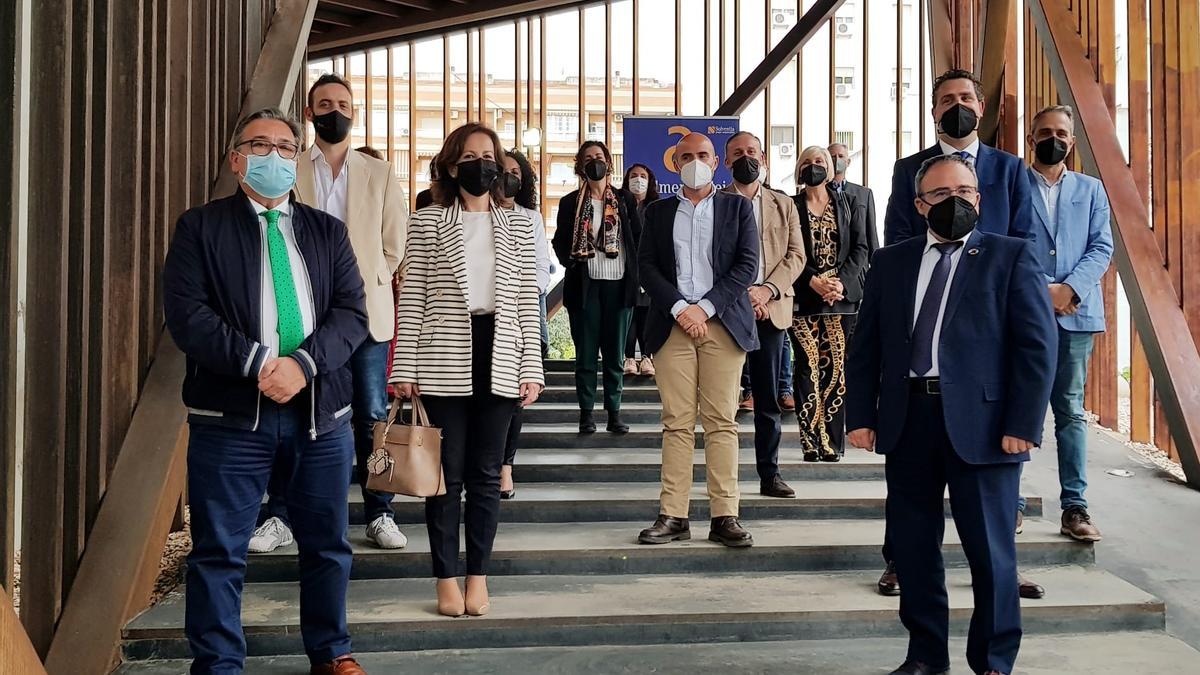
x=407 y=459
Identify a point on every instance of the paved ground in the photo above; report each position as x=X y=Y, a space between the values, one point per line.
x=1151 y=525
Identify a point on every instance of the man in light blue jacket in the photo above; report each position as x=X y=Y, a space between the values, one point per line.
x=1072 y=239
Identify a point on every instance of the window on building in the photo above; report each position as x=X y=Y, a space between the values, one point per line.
x=846 y=138
x=843 y=81
x=783 y=135
x=905 y=82
x=843 y=22
x=563 y=125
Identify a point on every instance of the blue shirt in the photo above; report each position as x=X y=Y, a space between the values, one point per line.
x=693 y=240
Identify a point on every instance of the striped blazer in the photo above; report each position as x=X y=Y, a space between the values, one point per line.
x=433 y=324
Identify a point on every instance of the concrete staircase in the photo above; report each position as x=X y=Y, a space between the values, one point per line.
x=572 y=591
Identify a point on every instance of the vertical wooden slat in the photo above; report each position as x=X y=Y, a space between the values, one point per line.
x=543 y=104
x=412 y=122
x=832 y=101
x=922 y=61
x=472 y=72
x=445 y=85
x=11 y=207
x=608 y=68
x=1140 y=390
x=369 y=96
x=1188 y=64
x=391 y=106
x=518 y=123
x=480 y=55
x=899 y=80
x=637 y=61
x=679 y=57
x=582 y=90
x=707 y=54
x=866 y=112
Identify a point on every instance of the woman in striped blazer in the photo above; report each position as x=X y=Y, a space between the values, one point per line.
x=468 y=341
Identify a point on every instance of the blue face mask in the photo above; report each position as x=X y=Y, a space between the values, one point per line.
x=271 y=176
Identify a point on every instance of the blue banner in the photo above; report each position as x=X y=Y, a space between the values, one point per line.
x=651 y=141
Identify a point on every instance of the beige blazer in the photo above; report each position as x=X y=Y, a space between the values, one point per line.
x=377 y=219
x=783 y=251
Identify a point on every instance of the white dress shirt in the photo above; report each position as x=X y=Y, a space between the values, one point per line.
x=757 y=201
x=480 y=240
x=928 y=262
x=1050 y=194
x=693 y=241
x=600 y=266
x=331 y=192
x=540 y=245
x=972 y=149
x=269 y=332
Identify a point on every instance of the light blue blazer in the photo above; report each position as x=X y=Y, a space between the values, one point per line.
x=1076 y=249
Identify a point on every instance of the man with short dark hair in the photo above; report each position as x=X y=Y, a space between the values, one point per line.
x=264 y=296
x=948 y=376
x=861 y=194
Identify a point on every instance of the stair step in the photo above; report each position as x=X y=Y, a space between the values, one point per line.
x=639 y=436
x=632 y=465
x=641 y=391
x=567 y=377
x=635 y=502
x=611 y=548
x=1097 y=654
x=568 y=413
x=399 y=614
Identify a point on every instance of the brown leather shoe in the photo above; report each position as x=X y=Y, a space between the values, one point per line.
x=1029 y=590
x=787 y=402
x=747 y=403
x=665 y=530
x=889 y=583
x=1077 y=524
x=345 y=665
x=726 y=530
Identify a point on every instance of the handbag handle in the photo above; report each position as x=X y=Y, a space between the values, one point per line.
x=420 y=416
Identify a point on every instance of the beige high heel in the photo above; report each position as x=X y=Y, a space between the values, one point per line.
x=450 y=598
x=477 y=602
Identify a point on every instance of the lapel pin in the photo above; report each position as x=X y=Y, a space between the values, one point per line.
x=973 y=251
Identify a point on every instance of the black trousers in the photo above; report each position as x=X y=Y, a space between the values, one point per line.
x=763 y=365
x=637 y=332
x=474 y=430
x=983 y=498
x=514 y=435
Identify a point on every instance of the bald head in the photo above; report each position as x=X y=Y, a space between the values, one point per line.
x=695 y=146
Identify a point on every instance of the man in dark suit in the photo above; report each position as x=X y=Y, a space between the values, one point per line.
x=1007 y=206
x=949 y=376
x=861 y=194
x=698 y=255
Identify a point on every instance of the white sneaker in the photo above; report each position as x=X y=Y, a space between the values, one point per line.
x=384 y=533
x=269 y=536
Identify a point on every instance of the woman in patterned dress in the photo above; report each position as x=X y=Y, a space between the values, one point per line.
x=827 y=296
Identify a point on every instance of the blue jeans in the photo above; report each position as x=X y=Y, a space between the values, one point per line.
x=369 y=372
x=786 y=368
x=1070 y=423
x=228 y=471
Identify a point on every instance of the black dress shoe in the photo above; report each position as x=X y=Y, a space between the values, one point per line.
x=586 y=424
x=726 y=530
x=615 y=425
x=918 y=668
x=1029 y=590
x=665 y=530
x=508 y=494
x=889 y=583
x=776 y=488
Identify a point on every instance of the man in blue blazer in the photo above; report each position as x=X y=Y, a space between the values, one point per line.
x=949 y=375
x=1072 y=239
x=1006 y=207
x=697 y=256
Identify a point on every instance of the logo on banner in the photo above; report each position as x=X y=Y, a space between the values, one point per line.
x=651 y=141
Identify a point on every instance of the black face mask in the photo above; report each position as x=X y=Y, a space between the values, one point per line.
x=959 y=121
x=595 y=169
x=813 y=175
x=745 y=170
x=1050 y=151
x=477 y=176
x=511 y=183
x=332 y=127
x=953 y=218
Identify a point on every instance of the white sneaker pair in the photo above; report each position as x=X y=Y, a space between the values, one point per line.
x=273 y=533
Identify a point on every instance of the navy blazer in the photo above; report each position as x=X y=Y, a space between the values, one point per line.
x=576 y=279
x=735 y=267
x=996 y=356
x=1005 y=207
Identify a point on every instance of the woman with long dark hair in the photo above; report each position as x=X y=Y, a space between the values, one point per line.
x=826 y=302
x=519 y=184
x=639 y=182
x=468 y=342
x=596 y=239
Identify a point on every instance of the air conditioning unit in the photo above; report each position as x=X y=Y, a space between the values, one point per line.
x=453 y=114
x=842 y=90
x=779 y=19
x=787 y=149
x=843 y=29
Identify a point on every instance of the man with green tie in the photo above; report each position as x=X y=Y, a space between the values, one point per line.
x=264 y=296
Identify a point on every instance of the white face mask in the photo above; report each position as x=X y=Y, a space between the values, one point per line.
x=696 y=174
x=762 y=173
x=638 y=186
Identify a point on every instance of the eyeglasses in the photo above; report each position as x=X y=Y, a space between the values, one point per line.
x=942 y=194
x=263 y=148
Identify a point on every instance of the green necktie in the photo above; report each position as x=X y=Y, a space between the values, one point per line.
x=291 y=326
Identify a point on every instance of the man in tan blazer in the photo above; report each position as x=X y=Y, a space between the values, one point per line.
x=781 y=259
x=364 y=193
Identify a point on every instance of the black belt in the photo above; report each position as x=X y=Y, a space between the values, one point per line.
x=930 y=386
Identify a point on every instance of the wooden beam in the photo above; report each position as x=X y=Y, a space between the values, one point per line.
x=19 y=656
x=274 y=81
x=1153 y=302
x=13 y=208
x=376 y=7
x=423 y=5
x=334 y=18
x=444 y=17
x=999 y=22
x=777 y=59
x=120 y=565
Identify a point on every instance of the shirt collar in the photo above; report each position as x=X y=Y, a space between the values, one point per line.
x=972 y=149
x=285 y=208
x=931 y=241
x=1046 y=182
x=709 y=198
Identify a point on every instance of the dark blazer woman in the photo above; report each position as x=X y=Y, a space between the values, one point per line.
x=852 y=255
x=575 y=279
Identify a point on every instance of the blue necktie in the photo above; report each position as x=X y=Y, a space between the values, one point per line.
x=965 y=156
x=921 y=357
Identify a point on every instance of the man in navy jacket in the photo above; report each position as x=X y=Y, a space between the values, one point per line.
x=1006 y=207
x=949 y=376
x=264 y=296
